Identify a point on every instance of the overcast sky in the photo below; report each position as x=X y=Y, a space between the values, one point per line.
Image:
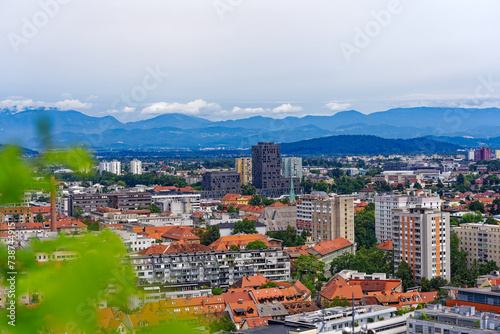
x=228 y=59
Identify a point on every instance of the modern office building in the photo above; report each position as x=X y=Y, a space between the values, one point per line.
x=421 y=238
x=266 y=171
x=485 y=299
x=326 y=217
x=217 y=184
x=484 y=153
x=480 y=241
x=136 y=167
x=386 y=203
x=457 y=319
x=291 y=167
x=244 y=167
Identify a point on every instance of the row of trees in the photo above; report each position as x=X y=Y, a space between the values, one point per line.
x=290 y=237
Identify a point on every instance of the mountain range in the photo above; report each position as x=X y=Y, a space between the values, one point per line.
x=457 y=126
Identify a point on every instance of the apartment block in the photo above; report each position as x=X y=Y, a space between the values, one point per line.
x=421 y=237
x=122 y=201
x=215 y=268
x=291 y=167
x=482 y=242
x=386 y=203
x=244 y=167
x=136 y=167
x=484 y=153
x=327 y=217
x=220 y=183
x=114 y=167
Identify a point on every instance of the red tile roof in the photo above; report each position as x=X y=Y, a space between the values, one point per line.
x=386 y=245
x=329 y=246
x=176 y=247
x=240 y=240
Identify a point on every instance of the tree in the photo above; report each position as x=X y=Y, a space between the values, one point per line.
x=461 y=275
x=472 y=218
x=368 y=260
x=269 y=285
x=77 y=212
x=476 y=206
x=257 y=244
x=224 y=324
x=460 y=179
x=231 y=209
x=217 y=291
x=94 y=226
x=487 y=268
x=364 y=227
x=289 y=237
x=246 y=226
x=248 y=190
x=336 y=301
x=405 y=274
x=417 y=185
x=211 y=235
x=309 y=269
x=153 y=208
x=234 y=248
x=491 y=221
x=39 y=218
x=255 y=201
x=220 y=207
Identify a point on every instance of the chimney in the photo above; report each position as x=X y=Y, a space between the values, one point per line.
x=240 y=301
x=53 y=214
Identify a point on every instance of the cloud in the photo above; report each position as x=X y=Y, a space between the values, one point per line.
x=334 y=106
x=444 y=101
x=196 y=108
x=18 y=105
x=286 y=109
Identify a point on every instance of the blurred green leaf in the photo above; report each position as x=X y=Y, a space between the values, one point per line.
x=14 y=176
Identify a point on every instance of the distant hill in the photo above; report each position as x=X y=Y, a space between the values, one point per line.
x=183 y=131
x=355 y=144
x=180 y=121
x=469 y=142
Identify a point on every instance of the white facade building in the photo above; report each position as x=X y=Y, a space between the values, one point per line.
x=383 y=211
x=114 y=167
x=291 y=167
x=136 y=167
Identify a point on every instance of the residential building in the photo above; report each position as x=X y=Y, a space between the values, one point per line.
x=244 y=167
x=421 y=238
x=386 y=203
x=458 y=319
x=484 y=153
x=239 y=240
x=227 y=229
x=266 y=171
x=136 y=167
x=122 y=201
x=232 y=199
x=336 y=319
x=480 y=241
x=327 y=217
x=328 y=250
x=291 y=167
x=218 y=184
x=202 y=264
x=497 y=154
x=111 y=167
x=470 y=155
x=278 y=216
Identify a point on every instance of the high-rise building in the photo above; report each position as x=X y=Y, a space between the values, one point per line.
x=386 y=203
x=244 y=167
x=291 y=167
x=111 y=167
x=421 y=238
x=266 y=171
x=481 y=241
x=136 y=167
x=484 y=153
x=470 y=155
x=497 y=154
x=326 y=217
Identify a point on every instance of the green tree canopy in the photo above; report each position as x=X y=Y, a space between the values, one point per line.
x=246 y=226
x=211 y=235
x=257 y=244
